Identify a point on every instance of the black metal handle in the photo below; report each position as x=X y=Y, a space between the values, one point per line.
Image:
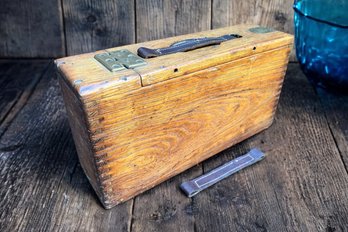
x=185 y=45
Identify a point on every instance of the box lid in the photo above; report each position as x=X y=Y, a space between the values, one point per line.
x=86 y=74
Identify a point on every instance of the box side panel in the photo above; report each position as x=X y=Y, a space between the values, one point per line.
x=79 y=129
x=146 y=136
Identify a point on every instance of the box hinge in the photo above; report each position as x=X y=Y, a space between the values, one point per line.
x=119 y=60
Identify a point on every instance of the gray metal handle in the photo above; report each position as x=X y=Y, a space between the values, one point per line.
x=185 y=45
x=198 y=184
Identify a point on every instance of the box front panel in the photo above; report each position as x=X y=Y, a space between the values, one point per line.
x=146 y=136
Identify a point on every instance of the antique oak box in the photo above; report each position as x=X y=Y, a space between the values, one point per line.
x=139 y=121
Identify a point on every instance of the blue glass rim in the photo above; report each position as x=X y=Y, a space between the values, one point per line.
x=317 y=19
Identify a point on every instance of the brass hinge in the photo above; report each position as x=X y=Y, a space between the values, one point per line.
x=119 y=60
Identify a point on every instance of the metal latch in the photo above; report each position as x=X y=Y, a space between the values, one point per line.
x=120 y=60
x=198 y=184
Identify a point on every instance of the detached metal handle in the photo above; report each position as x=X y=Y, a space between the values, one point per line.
x=185 y=45
x=198 y=184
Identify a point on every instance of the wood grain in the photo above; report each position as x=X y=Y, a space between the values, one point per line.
x=170 y=210
x=162 y=127
x=95 y=25
x=37 y=28
x=43 y=187
x=336 y=111
x=31 y=29
x=18 y=81
x=291 y=189
x=300 y=186
x=157 y=19
x=170 y=66
x=78 y=126
x=277 y=14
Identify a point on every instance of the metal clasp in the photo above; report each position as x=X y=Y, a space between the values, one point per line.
x=120 y=60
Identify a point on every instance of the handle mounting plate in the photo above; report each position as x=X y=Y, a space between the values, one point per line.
x=119 y=60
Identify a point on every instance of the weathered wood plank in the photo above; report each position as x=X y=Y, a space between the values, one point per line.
x=43 y=187
x=156 y=19
x=336 y=111
x=31 y=29
x=277 y=14
x=95 y=25
x=300 y=186
x=165 y=208
x=18 y=80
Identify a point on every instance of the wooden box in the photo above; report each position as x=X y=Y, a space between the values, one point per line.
x=136 y=127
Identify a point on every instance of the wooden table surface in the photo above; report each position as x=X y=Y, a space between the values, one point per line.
x=302 y=185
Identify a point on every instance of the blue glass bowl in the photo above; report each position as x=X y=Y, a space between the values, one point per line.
x=321 y=40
